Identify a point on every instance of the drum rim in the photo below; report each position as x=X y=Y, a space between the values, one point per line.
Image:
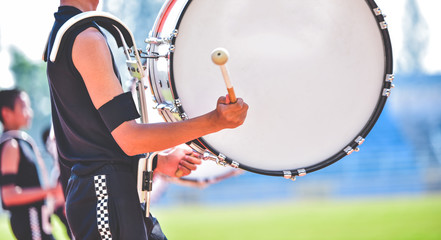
x=387 y=85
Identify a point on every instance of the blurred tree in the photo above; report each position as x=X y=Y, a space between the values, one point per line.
x=31 y=77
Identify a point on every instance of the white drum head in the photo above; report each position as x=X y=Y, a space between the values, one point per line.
x=312 y=72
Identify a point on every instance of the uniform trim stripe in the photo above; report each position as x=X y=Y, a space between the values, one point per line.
x=35 y=223
x=102 y=210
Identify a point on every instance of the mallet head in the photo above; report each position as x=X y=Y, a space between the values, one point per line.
x=219 y=56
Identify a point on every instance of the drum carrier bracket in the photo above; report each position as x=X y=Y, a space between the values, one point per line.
x=219 y=159
x=147 y=181
x=160 y=41
x=172 y=107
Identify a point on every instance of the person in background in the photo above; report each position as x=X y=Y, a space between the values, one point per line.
x=24 y=180
x=48 y=138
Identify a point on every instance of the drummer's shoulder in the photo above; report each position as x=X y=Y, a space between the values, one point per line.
x=89 y=43
x=90 y=37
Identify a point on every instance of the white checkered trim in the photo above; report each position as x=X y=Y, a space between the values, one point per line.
x=35 y=223
x=102 y=210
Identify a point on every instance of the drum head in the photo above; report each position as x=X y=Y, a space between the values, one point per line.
x=312 y=72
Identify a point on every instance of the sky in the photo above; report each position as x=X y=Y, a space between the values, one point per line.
x=26 y=24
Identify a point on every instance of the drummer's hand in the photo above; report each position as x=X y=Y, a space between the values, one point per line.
x=230 y=115
x=180 y=157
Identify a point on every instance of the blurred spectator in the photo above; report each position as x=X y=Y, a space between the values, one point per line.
x=23 y=189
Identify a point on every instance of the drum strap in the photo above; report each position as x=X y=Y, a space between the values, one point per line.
x=109 y=22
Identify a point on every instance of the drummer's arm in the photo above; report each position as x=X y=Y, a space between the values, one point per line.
x=12 y=194
x=92 y=58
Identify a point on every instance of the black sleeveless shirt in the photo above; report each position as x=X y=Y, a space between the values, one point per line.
x=80 y=133
x=27 y=175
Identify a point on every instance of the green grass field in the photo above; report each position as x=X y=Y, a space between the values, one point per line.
x=394 y=218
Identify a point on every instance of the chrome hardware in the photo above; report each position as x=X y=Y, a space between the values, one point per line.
x=178 y=102
x=221 y=160
x=160 y=41
x=377 y=11
x=209 y=156
x=359 y=140
x=348 y=150
x=390 y=77
x=301 y=172
x=156 y=41
x=235 y=164
x=155 y=56
x=166 y=106
x=133 y=67
x=386 y=92
x=174 y=34
x=288 y=175
x=383 y=25
x=357 y=149
x=146 y=55
x=183 y=116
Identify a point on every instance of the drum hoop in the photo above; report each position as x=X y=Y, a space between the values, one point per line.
x=172 y=76
x=387 y=85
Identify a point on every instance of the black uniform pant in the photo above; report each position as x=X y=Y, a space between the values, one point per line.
x=104 y=204
x=27 y=223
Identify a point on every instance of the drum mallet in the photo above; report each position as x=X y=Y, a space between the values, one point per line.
x=220 y=57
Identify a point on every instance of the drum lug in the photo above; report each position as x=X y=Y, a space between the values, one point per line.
x=390 y=78
x=234 y=164
x=288 y=175
x=183 y=116
x=301 y=172
x=386 y=92
x=178 y=102
x=220 y=160
x=377 y=11
x=174 y=34
x=359 y=140
x=349 y=150
x=383 y=25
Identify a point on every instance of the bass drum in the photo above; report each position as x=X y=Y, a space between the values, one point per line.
x=316 y=75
